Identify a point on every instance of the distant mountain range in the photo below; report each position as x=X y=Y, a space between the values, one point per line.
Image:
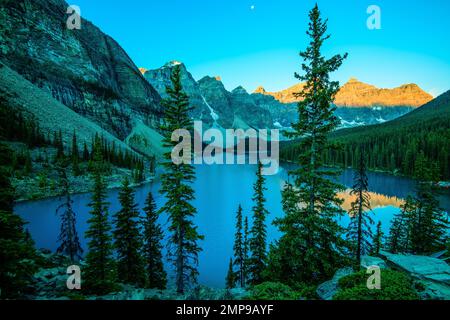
x=213 y=104
x=359 y=94
x=358 y=103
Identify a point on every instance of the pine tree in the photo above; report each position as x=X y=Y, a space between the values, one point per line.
x=283 y=256
x=312 y=235
x=59 y=145
x=258 y=234
x=231 y=278
x=127 y=239
x=239 y=256
x=153 y=236
x=100 y=272
x=400 y=232
x=75 y=155
x=152 y=165
x=429 y=222
x=28 y=164
x=176 y=186
x=17 y=254
x=246 y=249
x=68 y=237
x=360 y=234
x=86 y=154
x=377 y=243
x=422 y=225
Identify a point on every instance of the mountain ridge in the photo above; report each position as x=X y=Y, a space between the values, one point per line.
x=213 y=103
x=355 y=93
x=252 y=108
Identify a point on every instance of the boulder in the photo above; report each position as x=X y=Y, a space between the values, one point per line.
x=432 y=274
x=50 y=283
x=368 y=261
x=327 y=290
x=238 y=293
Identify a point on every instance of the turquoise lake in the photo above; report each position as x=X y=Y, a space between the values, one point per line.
x=219 y=191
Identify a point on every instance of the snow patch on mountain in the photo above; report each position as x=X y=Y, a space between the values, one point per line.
x=214 y=114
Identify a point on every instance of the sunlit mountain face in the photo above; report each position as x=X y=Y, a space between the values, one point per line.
x=376 y=200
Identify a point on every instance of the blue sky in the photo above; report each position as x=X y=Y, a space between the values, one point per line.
x=259 y=46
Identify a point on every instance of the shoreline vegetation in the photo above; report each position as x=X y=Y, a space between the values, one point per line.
x=29 y=189
x=83 y=187
x=444 y=185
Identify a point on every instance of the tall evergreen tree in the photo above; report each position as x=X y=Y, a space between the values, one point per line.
x=258 y=234
x=127 y=239
x=282 y=258
x=399 y=234
x=86 y=154
x=312 y=234
x=377 y=243
x=17 y=253
x=429 y=223
x=360 y=235
x=239 y=255
x=153 y=235
x=100 y=275
x=177 y=188
x=75 y=155
x=68 y=237
x=231 y=276
x=59 y=144
x=421 y=227
x=246 y=249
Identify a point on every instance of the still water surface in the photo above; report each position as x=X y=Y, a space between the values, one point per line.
x=219 y=191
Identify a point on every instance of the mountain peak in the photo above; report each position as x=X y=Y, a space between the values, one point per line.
x=210 y=79
x=240 y=90
x=172 y=64
x=143 y=70
x=359 y=94
x=260 y=90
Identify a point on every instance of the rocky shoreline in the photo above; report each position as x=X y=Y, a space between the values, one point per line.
x=430 y=275
x=50 y=283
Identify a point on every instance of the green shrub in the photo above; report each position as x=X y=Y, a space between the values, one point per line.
x=273 y=291
x=394 y=286
x=308 y=292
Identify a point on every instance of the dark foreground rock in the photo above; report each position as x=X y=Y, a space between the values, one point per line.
x=327 y=290
x=50 y=283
